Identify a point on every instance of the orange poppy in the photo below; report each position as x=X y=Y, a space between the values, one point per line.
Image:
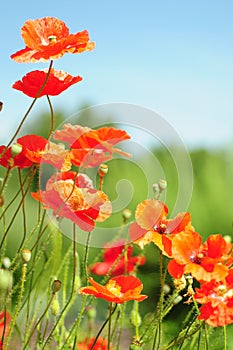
x=203 y=261
x=73 y=197
x=86 y=344
x=118 y=290
x=152 y=225
x=124 y=264
x=96 y=146
x=217 y=300
x=70 y=133
x=58 y=81
x=48 y=38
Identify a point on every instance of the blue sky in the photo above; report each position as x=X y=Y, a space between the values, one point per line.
x=174 y=57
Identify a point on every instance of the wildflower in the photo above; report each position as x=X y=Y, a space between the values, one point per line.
x=58 y=81
x=118 y=266
x=217 y=300
x=152 y=225
x=70 y=133
x=118 y=290
x=4 y=326
x=48 y=38
x=31 y=150
x=203 y=261
x=86 y=344
x=72 y=196
x=96 y=146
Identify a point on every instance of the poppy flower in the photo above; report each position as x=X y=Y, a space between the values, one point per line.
x=203 y=261
x=48 y=38
x=70 y=133
x=57 y=156
x=73 y=197
x=86 y=344
x=4 y=326
x=96 y=146
x=57 y=82
x=118 y=290
x=152 y=225
x=31 y=148
x=112 y=262
x=217 y=300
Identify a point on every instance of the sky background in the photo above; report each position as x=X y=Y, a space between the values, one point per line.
x=174 y=57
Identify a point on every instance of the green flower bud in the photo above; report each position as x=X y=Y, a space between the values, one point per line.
x=162 y=185
x=26 y=255
x=6 y=262
x=5 y=280
x=177 y=299
x=135 y=318
x=228 y=238
x=16 y=149
x=126 y=214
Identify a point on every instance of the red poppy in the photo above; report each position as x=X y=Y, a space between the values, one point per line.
x=96 y=146
x=203 y=261
x=4 y=326
x=31 y=148
x=118 y=290
x=152 y=225
x=86 y=344
x=72 y=196
x=58 y=81
x=217 y=300
x=57 y=156
x=112 y=262
x=48 y=38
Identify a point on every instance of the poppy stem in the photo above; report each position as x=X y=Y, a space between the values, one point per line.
x=109 y=325
x=225 y=337
x=31 y=106
x=52 y=117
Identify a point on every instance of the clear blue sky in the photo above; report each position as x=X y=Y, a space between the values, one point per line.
x=175 y=57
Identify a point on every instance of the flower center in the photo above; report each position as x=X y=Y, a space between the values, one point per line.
x=114 y=288
x=52 y=39
x=160 y=228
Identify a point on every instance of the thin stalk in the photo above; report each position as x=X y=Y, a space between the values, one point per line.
x=23 y=209
x=109 y=325
x=52 y=117
x=225 y=337
x=102 y=328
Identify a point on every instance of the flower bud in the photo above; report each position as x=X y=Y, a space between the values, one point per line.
x=5 y=280
x=162 y=185
x=166 y=288
x=177 y=299
x=228 y=238
x=56 y=286
x=135 y=318
x=103 y=170
x=6 y=262
x=16 y=149
x=26 y=255
x=126 y=214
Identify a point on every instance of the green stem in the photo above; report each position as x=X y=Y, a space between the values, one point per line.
x=23 y=210
x=102 y=328
x=52 y=117
x=225 y=337
x=109 y=325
